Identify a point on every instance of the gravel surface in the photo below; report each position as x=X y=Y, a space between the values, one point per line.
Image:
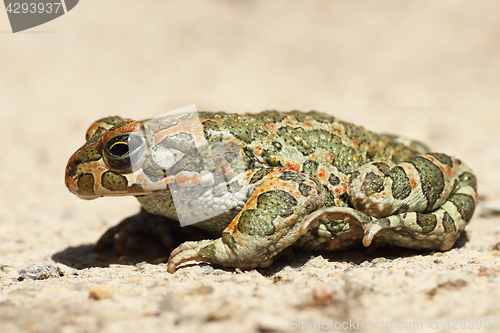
x=426 y=70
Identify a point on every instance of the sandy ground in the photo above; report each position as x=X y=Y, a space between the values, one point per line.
x=429 y=70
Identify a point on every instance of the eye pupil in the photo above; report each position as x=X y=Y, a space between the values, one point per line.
x=119 y=149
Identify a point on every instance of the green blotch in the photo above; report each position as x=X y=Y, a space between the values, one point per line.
x=468 y=179
x=431 y=178
x=384 y=222
x=307 y=141
x=321 y=117
x=448 y=223
x=334 y=180
x=345 y=158
x=242 y=131
x=426 y=221
x=271 y=156
x=321 y=137
x=295 y=136
x=228 y=239
x=210 y=128
x=261 y=173
x=372 y=184
x=293 y=176
x=277 y=145
x=256 y=223
x=310 y=168
x=114 y=182
x=401 y=187
x=355 y=174
x=97 y=134
x=355 y=133
x=259 y=221
x=445 y=159
x=384 y=168
x=212 y=115
x=114 y=121
x=269 y=116
x=465 y=205
x=248 y=152
x=86 y=183
x=300 y=116
x=330 y=198
x=305 y=189
x=208 y=252
x=335 y=227
x=318 y=116
x=89 y=154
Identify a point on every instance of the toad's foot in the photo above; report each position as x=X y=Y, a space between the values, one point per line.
x=435 y=231
x=215 y=252
x=359 y=224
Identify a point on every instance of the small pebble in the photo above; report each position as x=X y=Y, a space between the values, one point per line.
x=365 y=263
x=100 y=291
x=206 y=270
x=39 y=272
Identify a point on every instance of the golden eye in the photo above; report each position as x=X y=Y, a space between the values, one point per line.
x=118 y=152
x=119 y=149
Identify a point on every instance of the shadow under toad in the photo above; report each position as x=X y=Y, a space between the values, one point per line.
x=139 y=249
x=150 y=249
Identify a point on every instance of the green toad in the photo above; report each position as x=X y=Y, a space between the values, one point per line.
x=260 y=183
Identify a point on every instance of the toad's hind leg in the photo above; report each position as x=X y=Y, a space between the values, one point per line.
x=424 y=202
x=436 y=230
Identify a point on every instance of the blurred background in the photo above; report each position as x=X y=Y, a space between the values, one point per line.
x=429 y=70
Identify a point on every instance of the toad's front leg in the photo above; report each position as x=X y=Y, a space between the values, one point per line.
x=268 y=223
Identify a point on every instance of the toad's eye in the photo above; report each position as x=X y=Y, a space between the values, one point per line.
x=120 y=151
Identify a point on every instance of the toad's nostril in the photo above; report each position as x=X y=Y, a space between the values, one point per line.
x=72 y=168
